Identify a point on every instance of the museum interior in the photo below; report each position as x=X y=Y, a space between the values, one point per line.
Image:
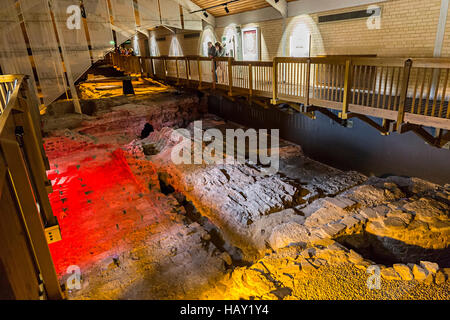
x=224 y=150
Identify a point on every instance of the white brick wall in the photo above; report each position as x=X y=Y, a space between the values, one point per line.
x=408 y=28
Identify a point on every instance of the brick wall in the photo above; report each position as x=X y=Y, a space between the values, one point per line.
x=408 y=28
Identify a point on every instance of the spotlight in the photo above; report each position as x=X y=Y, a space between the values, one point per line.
x=227 y=10
x=205 y=14
x=276 y=1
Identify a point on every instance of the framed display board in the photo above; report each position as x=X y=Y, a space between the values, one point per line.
x=251 y=44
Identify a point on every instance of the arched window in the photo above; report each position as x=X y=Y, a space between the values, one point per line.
x=231 y=42
x=207 y=36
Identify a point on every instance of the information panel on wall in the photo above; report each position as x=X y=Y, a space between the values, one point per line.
x=299 y=41
x=250 y=44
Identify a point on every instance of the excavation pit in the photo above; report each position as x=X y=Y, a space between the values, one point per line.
x=186 y=228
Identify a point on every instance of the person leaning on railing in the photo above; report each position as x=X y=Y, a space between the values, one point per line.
x=220 y=52
x=211 y=50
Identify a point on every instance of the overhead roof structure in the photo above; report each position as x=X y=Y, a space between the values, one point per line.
x=240 y=6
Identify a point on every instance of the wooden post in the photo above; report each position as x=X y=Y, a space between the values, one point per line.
x=230 y=76
x=213 y=70
x=142 y=66
x=274 y=81
x=36 y=163
x=308 y=79
x=199 y=73
x=403 y=92
x=250 y=80
x=152 y=70
x=178 y=71
x=188 y=69
x=27 y=206
x=347 y=88
x=165 y=68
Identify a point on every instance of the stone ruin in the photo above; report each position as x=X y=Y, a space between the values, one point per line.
x=229 y=231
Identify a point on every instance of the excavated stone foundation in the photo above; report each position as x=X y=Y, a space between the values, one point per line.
x=140 y=226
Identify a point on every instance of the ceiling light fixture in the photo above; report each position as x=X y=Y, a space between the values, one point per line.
x=225 y=4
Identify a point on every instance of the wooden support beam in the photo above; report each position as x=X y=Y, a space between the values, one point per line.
x=308 y=79
x=199 y=73
x=403 y=92
x=36 y=164
x=230 y=76
x=331 y=115
x=444 y=140
x=258 y=102
x=281 y=6
x=250 y=80
x=419 y=131
x=392 y=118
x=26 y=202
x=213 y=71
x=152 y=68
x=178 y=71
x=190 y=6
x=307 y=111
x=165 y=68
x=347 y=88
x=274 y=81
x=383 y=130
x=188 y=71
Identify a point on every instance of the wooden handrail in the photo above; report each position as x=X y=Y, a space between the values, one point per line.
x=372 y=85
x=23 y=157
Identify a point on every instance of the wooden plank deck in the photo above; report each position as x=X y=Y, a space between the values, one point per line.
x=405 y=91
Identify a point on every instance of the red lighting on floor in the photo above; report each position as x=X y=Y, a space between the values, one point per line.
x=93 y=202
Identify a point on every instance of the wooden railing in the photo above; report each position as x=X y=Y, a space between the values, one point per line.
x=399 y=90
x=27 y=223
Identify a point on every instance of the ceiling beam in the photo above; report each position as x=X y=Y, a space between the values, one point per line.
x=281 y=6
x=189 y=5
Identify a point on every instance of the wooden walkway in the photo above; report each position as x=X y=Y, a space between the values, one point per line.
x=408 y=94
x=27 y=222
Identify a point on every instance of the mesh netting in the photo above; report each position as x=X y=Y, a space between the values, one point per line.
x=149 y=13
x=170 y=13
x=72 y=39
x=40 y=31
x=124 y=19
x=192 y=21
x=99 y=26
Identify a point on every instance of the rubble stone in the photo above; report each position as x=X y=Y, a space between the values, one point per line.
x=390 y=274
x=288 y=233
x=440 y=277
x=431 y=267
x=419 y=273
x=404 y=271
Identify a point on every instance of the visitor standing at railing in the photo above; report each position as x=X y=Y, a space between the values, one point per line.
x=211 y=50
x=211 y=54
x=220 y=52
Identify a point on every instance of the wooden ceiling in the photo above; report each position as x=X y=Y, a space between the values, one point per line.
x=235 y=7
